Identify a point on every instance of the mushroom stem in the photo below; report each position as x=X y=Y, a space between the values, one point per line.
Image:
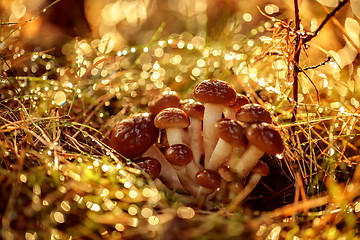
x=187 y=183
x=215 y=94
x=212 y=114
x=235 y=156
x=196 y=141
x=230 y=114
x=248 y=161
x=179 y=156
x=173 y=120
x=209 y=181
x=262 y=138
x=167 y=173
x=251 y=184
x=221 y=152
x=231 y=135
x=192 y=169
x=174 y=136
x=202 y=196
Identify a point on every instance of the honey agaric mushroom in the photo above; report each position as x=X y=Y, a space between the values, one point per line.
x=250 y=113
x=195 y=111
x=232 y=109
x=215 y=95
x=173 y=120
x=133 y=135
x=167 y=174
x=231 y=135
x=168 y=99
x=179 y=156
x=149 y=165
x=259 y=171
x=263 y=138
x=209 y=181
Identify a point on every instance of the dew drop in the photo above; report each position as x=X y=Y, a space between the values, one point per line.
x=59 y=98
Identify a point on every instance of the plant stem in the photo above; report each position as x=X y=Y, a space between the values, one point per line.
x=295 y=64
x=298 y=41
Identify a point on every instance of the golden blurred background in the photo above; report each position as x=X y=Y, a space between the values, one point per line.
x=97 y=28
x=134 y=22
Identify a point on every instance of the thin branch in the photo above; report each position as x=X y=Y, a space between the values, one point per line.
x=308 y=77
x=296 y=60
x=297 y=18
x=31 y=19
x=328 y=17
x=320 y=64
x=27 y=21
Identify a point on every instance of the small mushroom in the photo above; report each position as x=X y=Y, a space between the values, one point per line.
x=251 y=113
x=133 y=135
x=173 y=120
x=215 y=95
x=149 y=165
x=168 y=99
x=167 y=174
x=259 y=171
x=231 y=135
x=209 y=181
x=262 y=138
x=179 y=156
x=195 y=111
x=232 y=109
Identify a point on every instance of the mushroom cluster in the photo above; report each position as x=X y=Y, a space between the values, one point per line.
x=206 y=147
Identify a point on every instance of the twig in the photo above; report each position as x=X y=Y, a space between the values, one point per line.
x=308 y=77
x=27 y=21
x=296 y=60
x=31 y=19
x=299 y=41
x=302 y=206
x=328 y=17
x=318 y=65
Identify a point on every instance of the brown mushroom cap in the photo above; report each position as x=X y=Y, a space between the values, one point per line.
x=194 y=110
x=149 y=165
x=208 y=179
x=215 y=91
x=133 y=135
x=261 y=168
x=250 y=113
x=230 y=131
x=171 y=118
x=241 y=100
x=166 y=100
x=265 y=137
x=179 y=155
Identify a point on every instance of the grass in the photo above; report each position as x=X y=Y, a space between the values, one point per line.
x=60 y=179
